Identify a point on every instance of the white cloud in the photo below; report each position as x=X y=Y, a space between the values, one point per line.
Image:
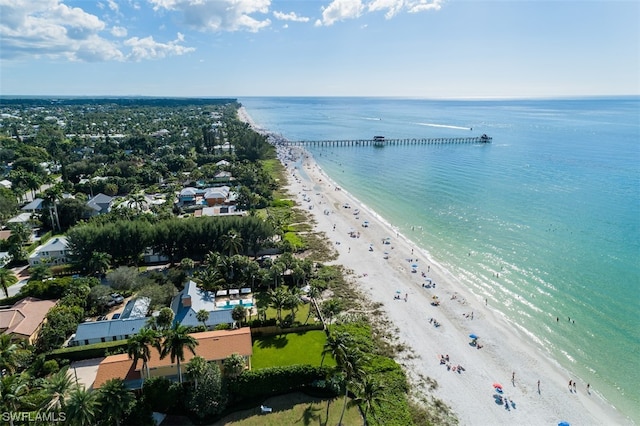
x=422 y=5
x=291 y=16
x=393 y=7
x=119 y=31
x=49 y=28
x=219 y=15
x=148 y=48
x=113 y=5
x=339 y=10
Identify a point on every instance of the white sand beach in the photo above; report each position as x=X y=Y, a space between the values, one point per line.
x=504 y=352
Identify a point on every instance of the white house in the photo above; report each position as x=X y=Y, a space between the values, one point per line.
x=191 y=300
x=53 y=252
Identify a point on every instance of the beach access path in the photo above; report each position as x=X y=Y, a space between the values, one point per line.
x=389 y=279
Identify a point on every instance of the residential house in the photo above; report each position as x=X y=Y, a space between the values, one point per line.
x=33 y=206
x=222 y=163
x=213 y=346
x=53 y=252
x=132 y=319
x=188 y=196
x=6 y=184
x=217 y=196
x=22 y=218
x=100 y=204
x=24 y=319
x=192 y=299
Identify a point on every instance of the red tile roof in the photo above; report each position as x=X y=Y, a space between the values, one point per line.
x=213 y=346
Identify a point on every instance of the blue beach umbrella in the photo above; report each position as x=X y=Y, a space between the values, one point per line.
x=473 y=336
x=564 y=424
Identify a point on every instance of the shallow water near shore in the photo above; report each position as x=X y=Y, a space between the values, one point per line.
x=544 y=222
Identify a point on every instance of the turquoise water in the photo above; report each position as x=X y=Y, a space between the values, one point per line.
x=552 y=206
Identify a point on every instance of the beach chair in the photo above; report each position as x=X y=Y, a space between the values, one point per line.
x=264 y=409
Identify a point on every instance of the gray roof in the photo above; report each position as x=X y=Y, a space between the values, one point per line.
x=98 y=201
x=54 y=244
x=107 y=329
x=200 y=299
x=36 y=204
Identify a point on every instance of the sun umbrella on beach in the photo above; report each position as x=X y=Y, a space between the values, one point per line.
x=563 y=424
x=473 y=336
x=497 y=386
x=415 y=265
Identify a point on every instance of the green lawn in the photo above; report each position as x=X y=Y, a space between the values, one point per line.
x=290 y=349
x=295 y=409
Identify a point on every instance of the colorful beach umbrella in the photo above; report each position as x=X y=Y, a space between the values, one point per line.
x=497 y=386
x=564 y=424
x=473 y=336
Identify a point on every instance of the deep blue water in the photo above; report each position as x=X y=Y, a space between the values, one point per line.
x=552 y=205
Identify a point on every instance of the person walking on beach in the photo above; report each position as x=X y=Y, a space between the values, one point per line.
x=570 y=381
x=538 y=387
x=588 y=387
x=513 y=378
x=574 y=387
x=406 y=296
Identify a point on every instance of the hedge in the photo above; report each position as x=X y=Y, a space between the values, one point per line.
x=276 y=380
x=78 y=353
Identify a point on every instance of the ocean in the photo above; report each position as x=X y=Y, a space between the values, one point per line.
x=544 y=221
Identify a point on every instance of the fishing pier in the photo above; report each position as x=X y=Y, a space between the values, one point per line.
x=380 y=141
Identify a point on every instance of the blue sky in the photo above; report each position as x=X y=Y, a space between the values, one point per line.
x=403 y=48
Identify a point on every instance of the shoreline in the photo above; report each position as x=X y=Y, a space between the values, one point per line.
x=505 y=349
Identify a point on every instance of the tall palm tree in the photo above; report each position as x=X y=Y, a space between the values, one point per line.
x=369 y=393
x=232 y=242
x=116 y=401
x=203 y=316
x=351 y=365
x=7 y=279
x=175 y=341
x=51 y=197
x=139 y=348
x=58 y=387
x=82 y=407
x=278 y=299
x=336 y=345
x=137 y=201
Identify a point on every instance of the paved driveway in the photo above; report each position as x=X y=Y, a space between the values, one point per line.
x=86 y=370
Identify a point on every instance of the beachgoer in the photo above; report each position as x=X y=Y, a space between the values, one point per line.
x=588 y=386
x=411 y=251
x=513 y=377
x=405 y=297
x=570 y=382
x=428 y=268
x=574 y=386
x=349 y=249
x=538 y=386
x=557 y=319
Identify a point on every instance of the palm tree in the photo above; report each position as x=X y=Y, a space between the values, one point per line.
x=82 y=407
x=369 y=394
x=351 y=365
x=58 y=387
x=13 y=391
x=8 y=353
x=187 y=264
x=137 y=201
x=239 y=314
x=139 y=347
x=278 y=300
x=115 y=400
x=175 y=340
x=232 y=242
x=336 y=345
x=7 y=279
x=99 y=263
x=203 y=316
x=51 y=197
